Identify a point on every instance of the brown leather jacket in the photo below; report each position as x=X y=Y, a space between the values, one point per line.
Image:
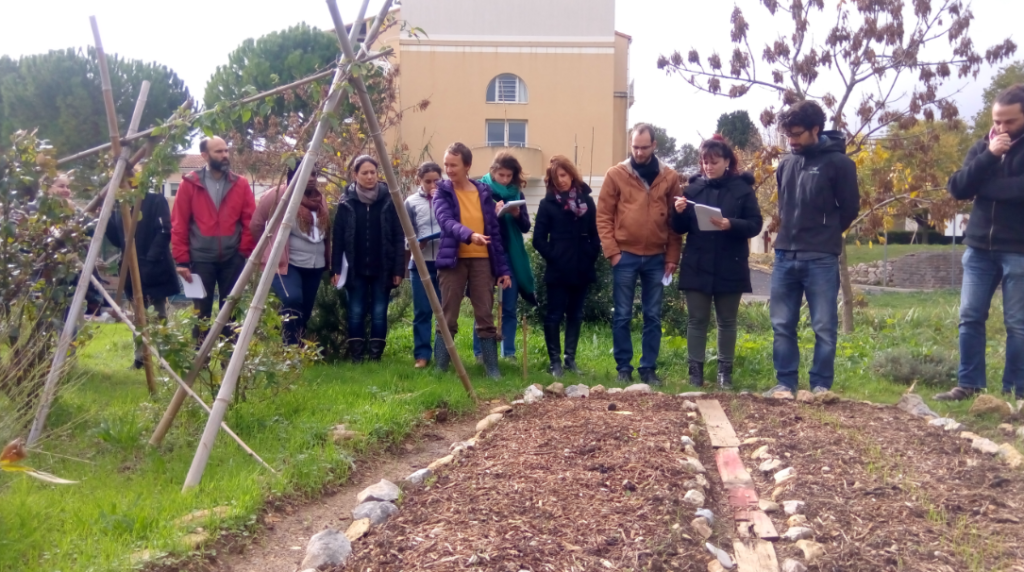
x=632 y=218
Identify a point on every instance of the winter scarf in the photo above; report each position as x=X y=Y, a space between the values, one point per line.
x=366 y=196
x=648 y=171
x=515 y=246
x=312 y=202
x=570 y=201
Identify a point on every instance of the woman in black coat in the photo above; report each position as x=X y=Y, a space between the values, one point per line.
x=565 y=234
x=714 y=269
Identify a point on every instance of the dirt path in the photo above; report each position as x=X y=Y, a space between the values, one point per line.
x=281 y=545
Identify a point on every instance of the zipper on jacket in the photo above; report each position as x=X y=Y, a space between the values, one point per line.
x=991 y=226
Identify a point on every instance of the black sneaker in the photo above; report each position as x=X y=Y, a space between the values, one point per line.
x=138 y=364
x=957 y=394
x=648 y=376
x=625 y=376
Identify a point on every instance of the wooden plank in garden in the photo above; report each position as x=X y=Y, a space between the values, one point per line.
x=763 y=526
x=755 y=556
x=731 y=468
x=719 y=429
x=744 y=498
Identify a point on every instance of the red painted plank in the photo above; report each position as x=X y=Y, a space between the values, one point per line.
x=731 y=468
x=742 y=497
x=763 y=526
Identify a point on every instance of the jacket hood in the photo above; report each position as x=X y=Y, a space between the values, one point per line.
x=746 y=176
x=831 y=142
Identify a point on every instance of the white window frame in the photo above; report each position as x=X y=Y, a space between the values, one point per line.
x=505 y=142
x=521 y=95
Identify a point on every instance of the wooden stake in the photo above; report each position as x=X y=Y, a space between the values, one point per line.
x=64 y=343
x=167 y=367
x=526 y=350
x=252 y=317
x=396 y=195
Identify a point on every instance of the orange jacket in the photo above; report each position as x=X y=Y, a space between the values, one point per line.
x=632 y=218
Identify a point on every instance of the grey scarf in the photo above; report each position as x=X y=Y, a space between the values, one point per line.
x=367 y=196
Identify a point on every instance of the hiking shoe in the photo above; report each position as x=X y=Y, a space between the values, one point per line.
x=778 y=388
x=648 y=376
x=820 y=389
x=957 y=394
x=625 y=376
x=695 y=369
x=556 y=370
x=570 y=365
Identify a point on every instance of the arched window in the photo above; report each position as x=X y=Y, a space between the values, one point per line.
x=506 y=88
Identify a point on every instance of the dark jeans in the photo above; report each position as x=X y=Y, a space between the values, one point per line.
x=367 y=294
x=221 y=275
x=791 y=280
x=565 y=301
x=422 y=314
x=698 y=309
x=297 y=292
x=984 y=271
x=650 y=270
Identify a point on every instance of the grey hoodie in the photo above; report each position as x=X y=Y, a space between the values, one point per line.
x=421 y=212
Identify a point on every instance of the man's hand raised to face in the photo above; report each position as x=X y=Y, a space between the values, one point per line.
x=999 y=145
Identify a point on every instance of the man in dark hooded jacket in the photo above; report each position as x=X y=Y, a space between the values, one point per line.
x=818 y=201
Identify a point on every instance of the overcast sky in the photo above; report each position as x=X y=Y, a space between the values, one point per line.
x=193 y=37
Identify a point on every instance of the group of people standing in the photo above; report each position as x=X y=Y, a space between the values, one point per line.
x=472 y=234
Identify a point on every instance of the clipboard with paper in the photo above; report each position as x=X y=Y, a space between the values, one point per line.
x=344 y=272
x=194 y=289
x=705 y=214
x=509 y=206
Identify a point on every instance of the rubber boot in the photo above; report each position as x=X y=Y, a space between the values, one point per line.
x=489 y=353
x=725 y=375
x=355 y=350
x=377 y=349
x=572 y=340
x=696 y=373
x=551 y=334
x=441 y=357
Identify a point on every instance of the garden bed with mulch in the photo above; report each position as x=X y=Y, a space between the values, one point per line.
x=566 y=484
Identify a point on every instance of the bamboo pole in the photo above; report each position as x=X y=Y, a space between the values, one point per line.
x=526 y=350
x=252 y=317
x=167 y=367
x=224 y=313
x=134 y=160
x=64 y=343
x=389 y=174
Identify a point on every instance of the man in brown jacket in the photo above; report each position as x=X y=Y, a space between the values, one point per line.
x=633 y=212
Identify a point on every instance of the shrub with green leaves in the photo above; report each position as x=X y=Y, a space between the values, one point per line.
x=904 y=366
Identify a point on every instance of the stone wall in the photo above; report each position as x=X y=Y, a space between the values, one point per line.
x=917 y=270
x=869 y=273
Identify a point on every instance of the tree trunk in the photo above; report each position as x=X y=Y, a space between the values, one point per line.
x=847 y=288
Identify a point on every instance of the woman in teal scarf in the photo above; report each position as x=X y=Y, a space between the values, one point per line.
x=506 y=179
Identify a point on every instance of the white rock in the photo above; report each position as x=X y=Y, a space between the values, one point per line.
x=1020 y=433
x=985 y=446
x=614 y=390
x=791 y=565
x=793 y=506
x=770 y=466
x=692 y=466
x=377 y=512
x=723 y=557
x=694 y=498
x=690 y=406
x=489 y=421
x=768 y=506
x=797 y=533
x=327 y=548
x=691 y=394
x=941 y=422
x=762 y=450
x=519 y=402
x=784 y=476
x=638 y=388
x=580 y=390
x=705 y=513
x=418 y=478
x=687 y=441
x=532 y=395
x=702 y=527
x=384 y=491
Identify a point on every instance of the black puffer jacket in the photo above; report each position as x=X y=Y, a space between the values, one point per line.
x=715 y=262
x=818 y=196
x=152 y=247
x=997 y=187
x=569 y=244
x=392 y=238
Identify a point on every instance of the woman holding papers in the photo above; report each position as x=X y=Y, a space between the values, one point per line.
x=305 y=255
x=420 y=206
x=566 y=236
x=719 y=212
x=507 y=179
x=367 y=256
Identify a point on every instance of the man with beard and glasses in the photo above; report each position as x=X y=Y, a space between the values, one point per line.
x=993 y=175
x=210 y=235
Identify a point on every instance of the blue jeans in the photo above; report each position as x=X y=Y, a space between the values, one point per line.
x=984 y=270
x=422 y=314
x=818 y=279
x=650 y=270
x=297 y=292
x=509 y=299
x=367 y=294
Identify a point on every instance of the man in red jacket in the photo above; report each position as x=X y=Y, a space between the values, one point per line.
x=210 y=235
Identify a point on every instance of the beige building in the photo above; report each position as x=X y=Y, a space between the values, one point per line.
x=535 y=77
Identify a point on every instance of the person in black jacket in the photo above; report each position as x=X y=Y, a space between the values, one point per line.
x=369 y=237
x=993 y=175
x=818 y=200
x=153 y=249
x=714 y=267
x=565 y=234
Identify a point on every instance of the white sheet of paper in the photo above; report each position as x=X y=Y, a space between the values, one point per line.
x=344 y=272
x=510 y=205
x=704 y=214
x=193 y=289
x=667 y=279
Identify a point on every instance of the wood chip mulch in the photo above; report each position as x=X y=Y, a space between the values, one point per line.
x=564 y=484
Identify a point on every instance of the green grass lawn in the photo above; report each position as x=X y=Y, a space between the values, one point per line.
x=129 y=495
x=875 y=252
